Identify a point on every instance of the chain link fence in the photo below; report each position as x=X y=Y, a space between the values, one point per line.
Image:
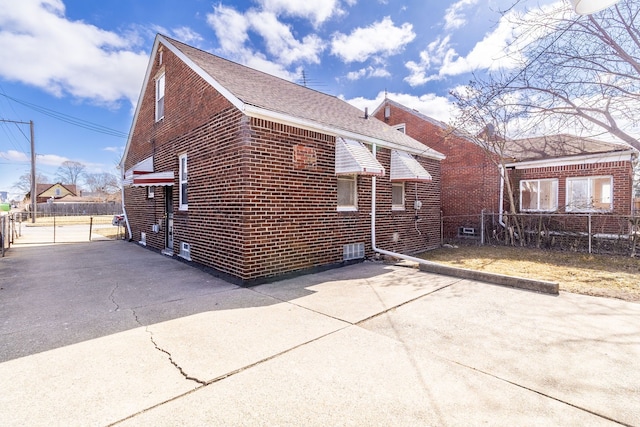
x=589 y=232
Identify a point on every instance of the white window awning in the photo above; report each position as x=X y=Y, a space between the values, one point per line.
x=153 y=179
x=353 y=158
x=142 y=175
x=406 y=168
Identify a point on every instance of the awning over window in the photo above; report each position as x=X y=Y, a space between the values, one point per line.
x=405 y=168
x=142 y=175
x=153 y=179
x=352 y=157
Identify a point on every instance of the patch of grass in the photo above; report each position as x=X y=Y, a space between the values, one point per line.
x=589 y=274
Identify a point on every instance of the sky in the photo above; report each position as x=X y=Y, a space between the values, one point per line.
x=75 y=67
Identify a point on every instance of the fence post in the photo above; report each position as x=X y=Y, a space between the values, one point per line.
x=482 y=227
x=90 y=226
x=589 y=233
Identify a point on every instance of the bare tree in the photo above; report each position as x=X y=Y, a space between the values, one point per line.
x=103 y=183
x=577 y=72
x=24 y=181
x=69 y=172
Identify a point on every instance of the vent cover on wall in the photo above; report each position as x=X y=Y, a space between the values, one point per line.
x=185 y=250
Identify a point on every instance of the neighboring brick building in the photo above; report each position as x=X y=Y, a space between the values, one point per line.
x=556 y=173
x=280 y=178
x=470 y=178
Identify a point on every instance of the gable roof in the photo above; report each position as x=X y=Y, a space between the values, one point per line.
x=41 y=188
x=263 y=95
x=560 y=145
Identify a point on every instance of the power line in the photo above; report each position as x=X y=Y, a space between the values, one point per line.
x=69 y=119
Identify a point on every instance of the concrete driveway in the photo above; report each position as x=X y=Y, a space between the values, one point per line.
x=109 y=333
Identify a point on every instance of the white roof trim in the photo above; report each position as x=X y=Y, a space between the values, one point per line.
x=405 y=168
x=617 y=156
x=261 y=113
x=352 y=157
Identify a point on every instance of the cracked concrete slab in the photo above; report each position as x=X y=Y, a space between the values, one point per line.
x=95 y=382
x=354 y=377
x=244 y=329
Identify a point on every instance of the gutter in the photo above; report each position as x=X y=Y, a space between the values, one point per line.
x=124 y=209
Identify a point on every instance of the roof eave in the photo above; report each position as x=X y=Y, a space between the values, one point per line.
x=626 y=155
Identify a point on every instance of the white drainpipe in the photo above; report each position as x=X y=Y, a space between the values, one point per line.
x=124 y=210
x=373 y=226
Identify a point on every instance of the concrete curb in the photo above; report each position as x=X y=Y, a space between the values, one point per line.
x=498 y=279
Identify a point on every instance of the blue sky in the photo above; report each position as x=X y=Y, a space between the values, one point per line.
x=75 y=67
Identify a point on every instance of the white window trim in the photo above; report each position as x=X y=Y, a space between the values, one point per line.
x=151 y=192
x=354 y=207
x=160 y=83
x=398 y=207
x=182 y=179
x=539 y=181
x=590 y=180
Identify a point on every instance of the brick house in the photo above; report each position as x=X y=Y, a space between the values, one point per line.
x=470 y=179
x=552 y=174
x=256 y=177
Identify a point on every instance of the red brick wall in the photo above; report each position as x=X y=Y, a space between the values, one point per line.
x=622 y=173
x=470 y=179
x=256 y=210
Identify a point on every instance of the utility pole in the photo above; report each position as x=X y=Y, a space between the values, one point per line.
x=33 y=166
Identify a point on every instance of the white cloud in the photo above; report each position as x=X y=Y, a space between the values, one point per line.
x=368 y=72
x=280 y=41
x=39 y=46
x=453 y=18
x=315 y=11
x=429 y=104
x=496 y=50
x=14 y=156
x=381 y=38
x=186 y=35
x=232 y=30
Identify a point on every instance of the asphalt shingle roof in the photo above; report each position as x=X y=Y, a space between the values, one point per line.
x=255 y=88
x=560 y=145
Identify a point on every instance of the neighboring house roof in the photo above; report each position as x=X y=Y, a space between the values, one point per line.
x=561 y=145
x=262 y=95
x=43 y=188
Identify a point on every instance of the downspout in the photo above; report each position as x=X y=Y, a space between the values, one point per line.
x=373 y=226
x=124 y=210
x=501 y=200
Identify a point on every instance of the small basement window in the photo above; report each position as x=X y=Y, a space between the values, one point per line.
x=347 y=193
x=397 y=196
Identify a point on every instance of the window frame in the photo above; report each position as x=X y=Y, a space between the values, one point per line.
x=538 y=208
x=590 y=191
x=401 y=127
x=183 y=180
x=354 y=196
x=160 y=96
x=395 y=206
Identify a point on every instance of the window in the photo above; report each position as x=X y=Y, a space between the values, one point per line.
x=347 y=193
x=183 y=182
x=401 y=128
x=589 y=194
x=539 y=195
x=160 y=97
x=151 y=192
x=397 y=196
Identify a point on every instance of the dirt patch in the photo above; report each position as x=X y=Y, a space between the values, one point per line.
x=589 y=274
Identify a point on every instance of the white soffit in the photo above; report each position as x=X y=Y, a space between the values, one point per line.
x=405 y=168
x=352 y=157
x=153 y=179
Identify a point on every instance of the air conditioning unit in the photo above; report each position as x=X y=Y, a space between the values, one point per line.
x=185 y=250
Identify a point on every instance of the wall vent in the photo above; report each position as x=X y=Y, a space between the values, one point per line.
x=185 y=250
x=143 y=239
x=467 y=232
x=353 y=251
